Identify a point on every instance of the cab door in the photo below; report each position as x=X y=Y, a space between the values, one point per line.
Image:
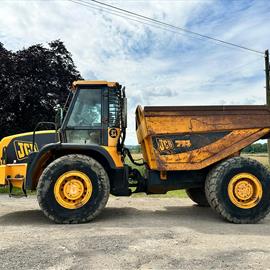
x=83 y=123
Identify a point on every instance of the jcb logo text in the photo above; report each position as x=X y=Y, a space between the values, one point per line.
x=23 y=149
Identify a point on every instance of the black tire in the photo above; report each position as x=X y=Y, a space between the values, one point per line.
x=197 y=195
x=216 y=190
x=100 y=189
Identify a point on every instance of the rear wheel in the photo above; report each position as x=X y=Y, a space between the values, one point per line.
x=73 y=189
x=197 y=195
x=239 y=190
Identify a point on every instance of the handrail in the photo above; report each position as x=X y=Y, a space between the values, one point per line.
x=37 y=126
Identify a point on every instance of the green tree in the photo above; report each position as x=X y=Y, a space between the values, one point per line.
x=32 y=82
x=256 y=148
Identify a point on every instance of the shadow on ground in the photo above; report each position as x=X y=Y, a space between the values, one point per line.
x=199 y=219
x=27 y=217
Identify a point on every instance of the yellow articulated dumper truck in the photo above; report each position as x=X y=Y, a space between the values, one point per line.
x=75 y=167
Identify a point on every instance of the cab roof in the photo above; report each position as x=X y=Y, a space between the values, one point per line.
x=84 y=83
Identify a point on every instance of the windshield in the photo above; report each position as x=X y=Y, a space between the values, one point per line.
x=87 y=109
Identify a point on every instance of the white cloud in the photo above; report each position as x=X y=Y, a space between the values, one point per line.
x=157 y=67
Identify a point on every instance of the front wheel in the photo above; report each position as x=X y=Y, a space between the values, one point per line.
x=73 y=189
x=239 y=190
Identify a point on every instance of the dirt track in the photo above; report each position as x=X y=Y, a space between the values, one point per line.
x=141 y=233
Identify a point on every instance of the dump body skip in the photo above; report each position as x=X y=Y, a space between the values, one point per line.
x=192 y=138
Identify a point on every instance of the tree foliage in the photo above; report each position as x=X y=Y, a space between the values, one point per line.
x=256 y=148
x=32 y=82
x=135 y=149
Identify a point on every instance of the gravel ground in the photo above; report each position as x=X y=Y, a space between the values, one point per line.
x=131 y=233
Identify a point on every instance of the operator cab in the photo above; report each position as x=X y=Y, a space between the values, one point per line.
x=96 y=114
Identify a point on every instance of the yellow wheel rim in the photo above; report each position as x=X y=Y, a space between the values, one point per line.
x=245 y=190
x=73 y=189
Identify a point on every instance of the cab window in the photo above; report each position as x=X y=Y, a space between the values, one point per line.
x=87 y=109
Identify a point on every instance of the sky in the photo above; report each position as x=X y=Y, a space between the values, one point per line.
x=158 y=67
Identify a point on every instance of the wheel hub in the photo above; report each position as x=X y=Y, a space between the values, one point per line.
x=73 y=189
x=245 y=190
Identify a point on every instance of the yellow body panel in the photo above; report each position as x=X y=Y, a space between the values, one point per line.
x=165 y=136
x=84 y=82
x=116 y=156
x=3 y=174
x=209 y=154
x=113 y=136
x=13 y=171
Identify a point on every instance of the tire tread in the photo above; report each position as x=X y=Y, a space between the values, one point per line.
x=214 y=179
x=102 y=174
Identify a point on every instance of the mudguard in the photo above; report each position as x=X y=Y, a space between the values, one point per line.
x=55 y=150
